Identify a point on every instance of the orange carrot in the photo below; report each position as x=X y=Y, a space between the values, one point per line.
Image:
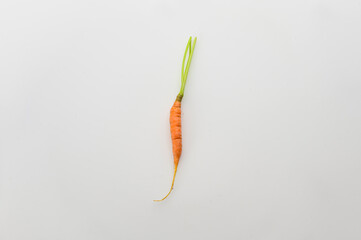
x=175 y=113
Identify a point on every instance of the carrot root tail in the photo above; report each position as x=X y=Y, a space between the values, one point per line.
x=171 y=188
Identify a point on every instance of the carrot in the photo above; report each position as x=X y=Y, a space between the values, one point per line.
x=175 y=113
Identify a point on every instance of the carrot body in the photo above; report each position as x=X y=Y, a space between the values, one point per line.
x=175 y=114
x=176 y=130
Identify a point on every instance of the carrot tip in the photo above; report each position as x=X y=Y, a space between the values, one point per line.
x=171 y=188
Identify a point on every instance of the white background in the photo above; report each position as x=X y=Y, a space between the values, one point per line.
x=271 y=120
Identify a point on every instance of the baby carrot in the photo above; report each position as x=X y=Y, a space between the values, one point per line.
x=175 y=113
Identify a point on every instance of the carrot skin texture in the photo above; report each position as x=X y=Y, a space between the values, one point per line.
x=176 y=134
x=176 y=130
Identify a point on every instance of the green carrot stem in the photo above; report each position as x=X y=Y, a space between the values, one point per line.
x=185 y=71
x=185 y=56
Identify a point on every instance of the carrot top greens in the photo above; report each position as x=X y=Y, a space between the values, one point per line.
x=189 y=49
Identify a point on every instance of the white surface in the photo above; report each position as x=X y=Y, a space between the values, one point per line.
x=271 y=120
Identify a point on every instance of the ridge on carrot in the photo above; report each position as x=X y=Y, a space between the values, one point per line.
x=175 y=112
